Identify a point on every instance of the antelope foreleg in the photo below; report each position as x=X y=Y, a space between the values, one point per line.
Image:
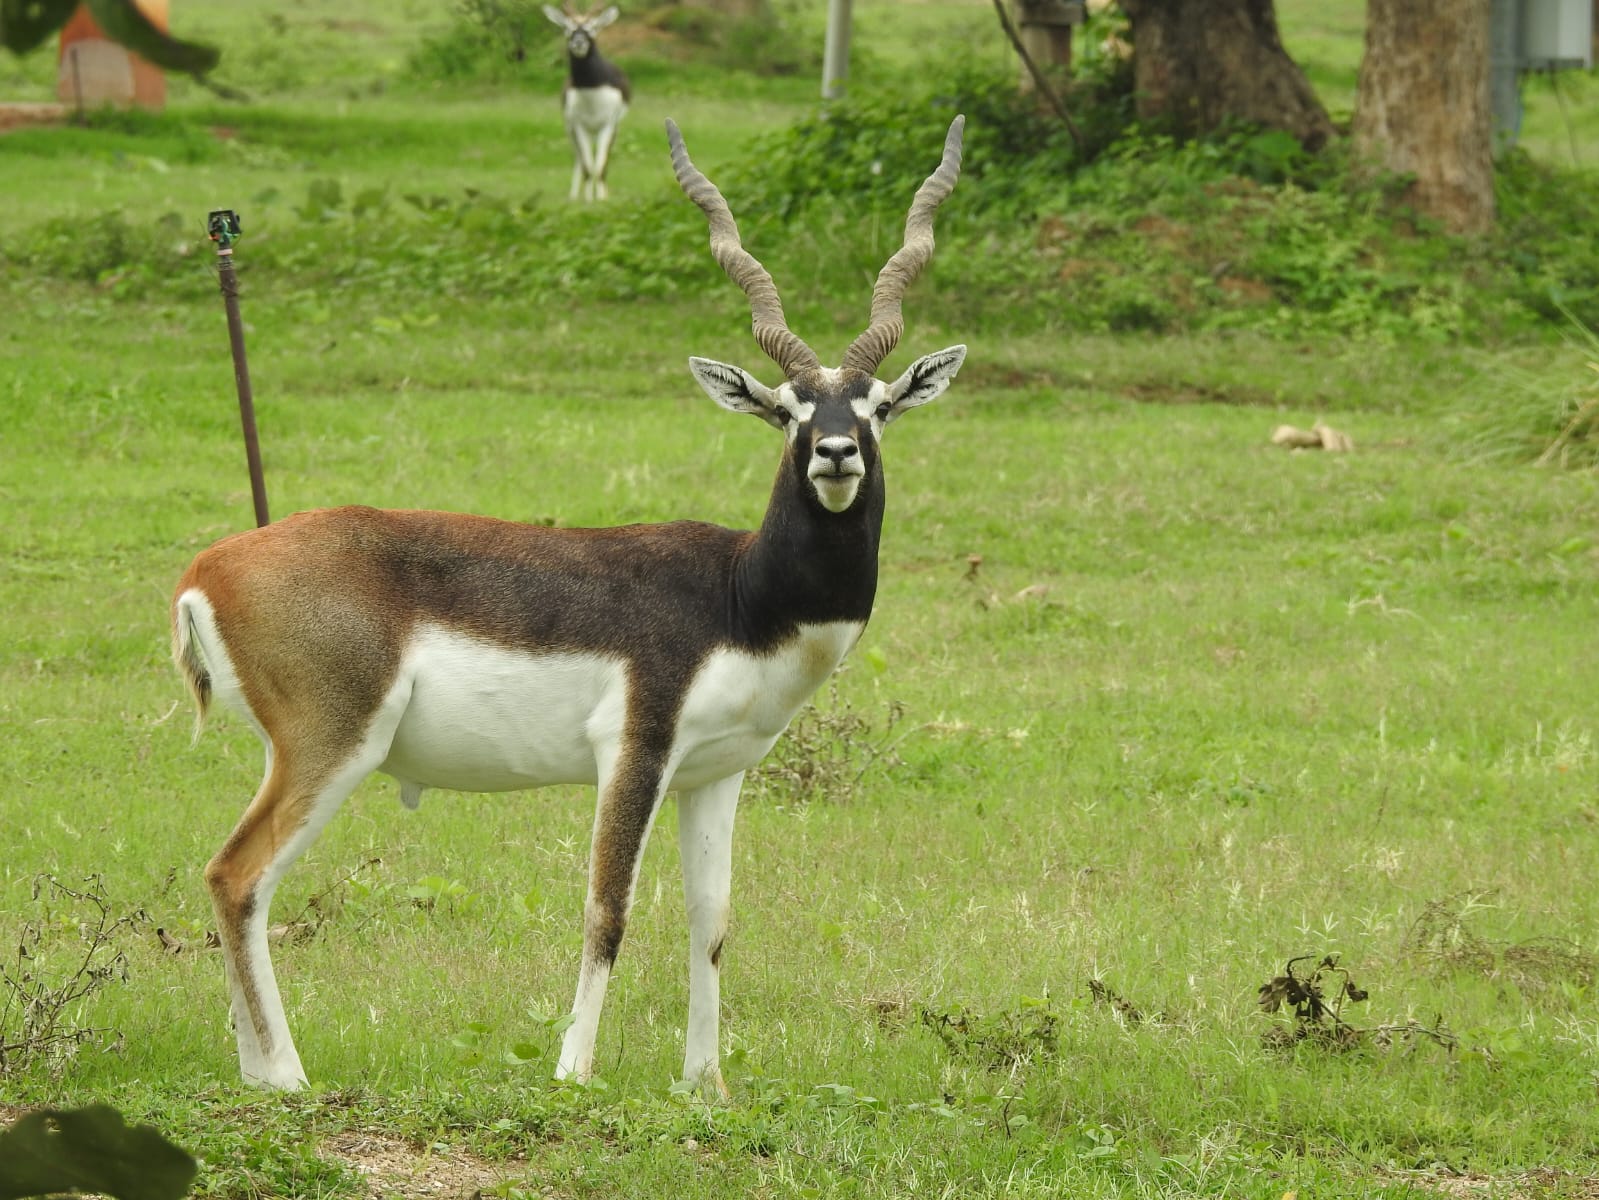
x=629 y=798
x=705 y=843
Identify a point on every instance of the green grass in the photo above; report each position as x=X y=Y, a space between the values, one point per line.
x=1204 y=706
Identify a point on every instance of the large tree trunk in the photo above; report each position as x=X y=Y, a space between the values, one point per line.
x=1422 y=108
x=1204 y=63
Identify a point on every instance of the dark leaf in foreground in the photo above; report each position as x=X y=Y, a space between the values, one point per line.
x=25 y=24
x=90 y=1150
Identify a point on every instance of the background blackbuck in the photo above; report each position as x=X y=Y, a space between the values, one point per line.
x=482 y=655
x=594 y=100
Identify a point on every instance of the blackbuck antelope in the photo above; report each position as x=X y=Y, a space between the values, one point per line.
x=594 y=100
x=465 y=652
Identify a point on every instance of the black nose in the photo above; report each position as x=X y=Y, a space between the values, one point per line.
x=837 y=451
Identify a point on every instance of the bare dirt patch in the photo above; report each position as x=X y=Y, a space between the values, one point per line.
x=393 y=1168
x=18 y=114
x=1533 y=1185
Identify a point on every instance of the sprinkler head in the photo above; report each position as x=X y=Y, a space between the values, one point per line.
x=222 y=225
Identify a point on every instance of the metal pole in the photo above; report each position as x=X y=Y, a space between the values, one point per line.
x=223 y=226
x=1504 y=72
x=835 y=52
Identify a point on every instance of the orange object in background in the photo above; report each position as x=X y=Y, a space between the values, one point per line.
x=93 y=70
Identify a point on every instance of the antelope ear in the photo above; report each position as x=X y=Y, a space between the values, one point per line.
x=924 y=380
x=557 y=16
x=595 y=24
x=735 y=389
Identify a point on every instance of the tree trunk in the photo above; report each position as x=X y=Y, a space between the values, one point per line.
x=1422 y=107
x=1203 y=63
x=1045 y=30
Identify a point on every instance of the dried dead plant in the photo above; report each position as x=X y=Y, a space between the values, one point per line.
x=67 y=952
x=826 y=752
x=1317 y=1015
x=1443 y=938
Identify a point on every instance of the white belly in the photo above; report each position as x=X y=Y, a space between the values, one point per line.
x=739 y=704
x=594 y=109
x=482 y=718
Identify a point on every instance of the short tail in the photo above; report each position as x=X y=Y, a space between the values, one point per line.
x=186 y=653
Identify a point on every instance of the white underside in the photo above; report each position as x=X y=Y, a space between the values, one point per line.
x=594 y=109
x=477 y=717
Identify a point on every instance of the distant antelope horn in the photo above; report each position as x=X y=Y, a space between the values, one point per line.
x=867 y=352
x=770 y=327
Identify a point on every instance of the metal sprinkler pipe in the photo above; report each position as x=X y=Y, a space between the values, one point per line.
x=223 y=227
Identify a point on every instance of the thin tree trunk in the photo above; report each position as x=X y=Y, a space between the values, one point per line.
x=1422 y=108
x=1044 y=27
x=1201 y=64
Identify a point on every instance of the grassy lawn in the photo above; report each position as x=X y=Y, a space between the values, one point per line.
x=1149 y=707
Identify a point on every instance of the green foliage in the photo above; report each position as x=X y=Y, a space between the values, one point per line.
x=762 y=42
x=90 y=1150
x=488 y=41
x=1003 y=1040
x=1142 y=233
x=1139 y=231
x=1544 y=240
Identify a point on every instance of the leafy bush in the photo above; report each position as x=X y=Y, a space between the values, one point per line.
x=1137 y=230
x=761 y=43
x=1545 y=239
x=487 y=41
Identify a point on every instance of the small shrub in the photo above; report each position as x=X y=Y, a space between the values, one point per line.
x=1003 y=1040
x=67 y=952
x=826 y=752
x=1316 y=1014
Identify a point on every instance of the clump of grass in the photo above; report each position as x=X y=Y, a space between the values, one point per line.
x=1548 y=424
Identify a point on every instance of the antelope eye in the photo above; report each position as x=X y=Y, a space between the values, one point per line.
x=884 y=409
x=784 y=416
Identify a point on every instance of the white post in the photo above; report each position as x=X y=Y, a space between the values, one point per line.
x=835 y=55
